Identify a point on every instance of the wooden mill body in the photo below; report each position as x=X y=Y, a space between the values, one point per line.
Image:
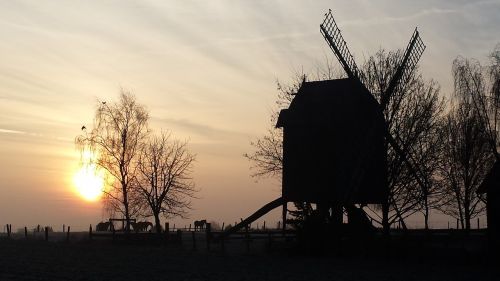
x=334 y=151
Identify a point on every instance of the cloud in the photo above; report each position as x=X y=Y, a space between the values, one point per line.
x=34 y=134
x=388 y=20
x=6 y=131
x=200 y=129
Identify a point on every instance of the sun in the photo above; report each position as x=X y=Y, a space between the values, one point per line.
x=89 y=180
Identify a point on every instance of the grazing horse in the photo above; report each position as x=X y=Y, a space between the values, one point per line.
x=200 y=224
x=103 y=226
x=142 y=226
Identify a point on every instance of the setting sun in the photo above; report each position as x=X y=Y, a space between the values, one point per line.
x=89 y=182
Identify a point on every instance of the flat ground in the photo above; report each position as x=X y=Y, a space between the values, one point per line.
x=108 y=260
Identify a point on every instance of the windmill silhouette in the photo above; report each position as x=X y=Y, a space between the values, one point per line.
x=335 y=138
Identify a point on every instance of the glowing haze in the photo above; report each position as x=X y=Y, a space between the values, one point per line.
x=205 y=69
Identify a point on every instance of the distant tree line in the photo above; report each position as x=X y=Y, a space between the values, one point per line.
x=147 y=174
x=453 y=141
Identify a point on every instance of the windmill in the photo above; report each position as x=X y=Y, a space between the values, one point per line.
x=412 y=54
x=335 y=138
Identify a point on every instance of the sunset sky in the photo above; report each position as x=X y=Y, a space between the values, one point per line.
x=206 y=70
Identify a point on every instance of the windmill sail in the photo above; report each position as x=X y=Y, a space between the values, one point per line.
x=333 y=36
x=410 y=59
x=412 y=54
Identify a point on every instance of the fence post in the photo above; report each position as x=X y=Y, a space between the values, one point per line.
x=189 y=227
x=264 y=226
x=457 y=223
x=8 y=231
x=25 y=232
x=477 y=223
x=194 y=240
x=222 y=229
x=64 y=228
x=113 y=231
x=67 y=234
x=90 y=232
x=46 y=233
x=209 y=234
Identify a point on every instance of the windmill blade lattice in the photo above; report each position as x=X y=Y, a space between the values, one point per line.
x=333 y=36
x=411 y=56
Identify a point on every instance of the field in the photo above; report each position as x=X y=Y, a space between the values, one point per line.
x=104 y=259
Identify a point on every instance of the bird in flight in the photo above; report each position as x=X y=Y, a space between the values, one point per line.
x=83 y=127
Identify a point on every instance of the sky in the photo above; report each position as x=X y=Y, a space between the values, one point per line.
x=206 y=71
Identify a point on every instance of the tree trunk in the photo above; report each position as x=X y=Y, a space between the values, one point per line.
x=157 y=222
x=466 y=216
x=125 y=205
x=426 y=214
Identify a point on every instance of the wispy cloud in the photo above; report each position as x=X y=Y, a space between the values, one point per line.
x=34 y=134
x=200 y=129
x=7 y=131
x=389 y=19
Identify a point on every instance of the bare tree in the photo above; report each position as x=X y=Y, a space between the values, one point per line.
x=412 y=116
x=481 y=87
x=164 y=183
x=118 y=134
x=267 y=157
x=465 y=161
x=472 y=135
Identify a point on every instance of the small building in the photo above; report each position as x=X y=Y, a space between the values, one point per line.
x=491 y=187
x=334 y=151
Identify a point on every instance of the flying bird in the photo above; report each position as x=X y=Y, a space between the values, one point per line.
x=83 y=128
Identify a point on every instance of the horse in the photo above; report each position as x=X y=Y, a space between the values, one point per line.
x=103 y=226
x=142 y=226
x=200 y=224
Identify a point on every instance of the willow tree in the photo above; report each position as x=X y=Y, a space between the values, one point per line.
x=465 y=161
x=118 y=134
x=480 y=86
x=165 y=184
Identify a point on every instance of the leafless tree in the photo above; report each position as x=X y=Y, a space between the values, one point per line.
x=118 y=134
x=472 y=131
x=267 y=157
x=412 y=116
x=465 y=161
x=164 y=183
x=480 y=86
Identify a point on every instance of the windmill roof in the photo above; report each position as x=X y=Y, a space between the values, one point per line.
x=344 y=97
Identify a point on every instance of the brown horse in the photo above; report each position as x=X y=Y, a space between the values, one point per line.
x=103 y=226
x=142 y=226
x=200 y=225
